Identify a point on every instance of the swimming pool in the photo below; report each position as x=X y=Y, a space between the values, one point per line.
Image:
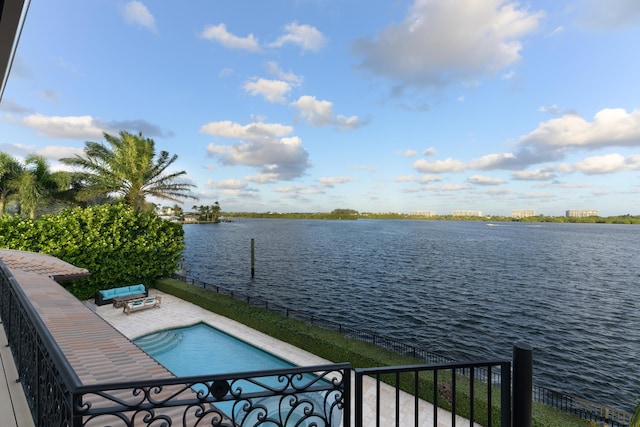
x=204 y=350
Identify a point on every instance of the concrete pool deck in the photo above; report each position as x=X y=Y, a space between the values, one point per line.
x=175 y=312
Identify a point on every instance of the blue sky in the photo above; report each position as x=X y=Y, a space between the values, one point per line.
x=314 y=105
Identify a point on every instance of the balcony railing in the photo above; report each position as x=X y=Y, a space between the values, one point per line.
x=310 y=396
x=478 y=392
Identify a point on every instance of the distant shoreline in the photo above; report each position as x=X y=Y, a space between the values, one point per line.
x=620 y=219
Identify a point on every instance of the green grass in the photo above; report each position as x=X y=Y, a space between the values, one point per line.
x=338 y=348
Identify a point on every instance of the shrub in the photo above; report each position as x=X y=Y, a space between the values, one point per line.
x=118 y=245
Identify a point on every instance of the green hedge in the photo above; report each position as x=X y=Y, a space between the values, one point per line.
x=118 y=245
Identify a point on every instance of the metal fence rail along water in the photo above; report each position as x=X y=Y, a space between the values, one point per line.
x=571 y=404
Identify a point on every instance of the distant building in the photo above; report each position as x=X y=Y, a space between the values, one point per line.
x=577 y=213
x=522 y=213
x=422 y=213
x=467 y=213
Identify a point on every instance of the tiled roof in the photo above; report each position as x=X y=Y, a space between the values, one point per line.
x=42 y=264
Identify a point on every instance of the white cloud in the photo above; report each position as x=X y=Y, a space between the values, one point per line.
x=430 y=178
x=220 y=34
x=289 y=189
x=305 y=36
x=230 y=184
x=552 y=140
x=491 y=161
x=347 y=123
x=448 y=187
x=552 y=109
x=317 y=113
x=405 y=178
x=429 y=151
x=484 y=180
x=256 y=130
x=605 y=164
x=422 y=179
x=448 y=42
x=76 y=127
x=320 y=113
x=135 y=12
x=262 y=146
x=293 y=79
x=332 y=181
x=263 y=178
x=85 y=127
x=508 y=75
x=438 y=166
x=274 y=91
x=610 y=127
x=56 y=152
x=534 y=175
x=410 y=153
x=17 y=150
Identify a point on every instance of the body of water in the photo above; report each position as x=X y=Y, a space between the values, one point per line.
x=463 y=289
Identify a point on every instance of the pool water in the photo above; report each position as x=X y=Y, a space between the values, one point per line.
x=204 y=350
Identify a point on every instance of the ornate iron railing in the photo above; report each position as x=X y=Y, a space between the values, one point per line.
x=309 y=396
x=313 y=396
x=44 y=372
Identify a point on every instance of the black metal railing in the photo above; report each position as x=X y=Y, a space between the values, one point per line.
x=582 y=408
x=561 y=401
x=317 y=395
x=44 y=372
x=477 y=392
x=312 y=396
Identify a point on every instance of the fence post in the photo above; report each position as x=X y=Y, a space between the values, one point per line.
x=358 y=399
x=253 y=259
x=522 y=384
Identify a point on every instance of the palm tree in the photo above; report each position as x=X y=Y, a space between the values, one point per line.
x=128 y=166
x=208 y=213
x=10 y=169
x=36 y=184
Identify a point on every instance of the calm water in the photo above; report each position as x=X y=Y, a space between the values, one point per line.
x=462 y=289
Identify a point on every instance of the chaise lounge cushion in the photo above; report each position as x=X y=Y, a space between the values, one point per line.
x=106 y=296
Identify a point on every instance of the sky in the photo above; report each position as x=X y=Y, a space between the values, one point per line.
x=316 y=105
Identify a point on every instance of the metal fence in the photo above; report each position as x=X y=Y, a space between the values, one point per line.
x=561 y=401
x=461 y=388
